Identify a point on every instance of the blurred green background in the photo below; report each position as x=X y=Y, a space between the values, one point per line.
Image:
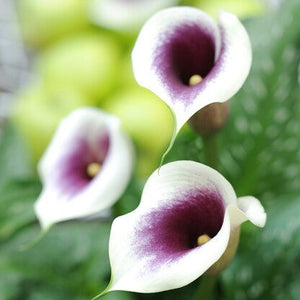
x=54 y=58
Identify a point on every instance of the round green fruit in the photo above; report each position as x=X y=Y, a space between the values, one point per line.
x=243 y=9
x=44 y=21
x=38 y=112
x=147 y=120
x=87 y=62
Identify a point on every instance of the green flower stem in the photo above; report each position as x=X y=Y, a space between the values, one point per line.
x=36 y=240
x=206 y=288
x=210 y=147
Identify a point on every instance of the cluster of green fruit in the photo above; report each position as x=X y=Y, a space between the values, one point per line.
x=78 y=64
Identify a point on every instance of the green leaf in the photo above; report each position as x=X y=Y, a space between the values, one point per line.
x=261 y=144
x=14 y=160
x=16 y=205
x=131 y=197
x=267 y=265
x=9 y=281
x=70 y=262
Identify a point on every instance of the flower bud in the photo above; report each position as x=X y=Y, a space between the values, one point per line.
x=210 y=119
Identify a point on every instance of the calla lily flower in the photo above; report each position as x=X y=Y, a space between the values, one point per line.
x=85 y=169
x=187 y=224
x=189 y=61
x=125 y=15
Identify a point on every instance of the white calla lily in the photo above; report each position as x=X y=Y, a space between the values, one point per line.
x=187 y=224
x=85 y=169
x=125 y=15
x=189 y=61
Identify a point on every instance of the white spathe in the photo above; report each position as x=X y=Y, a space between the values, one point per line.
x=148 y=250
x=85 y=136
x=231 y=51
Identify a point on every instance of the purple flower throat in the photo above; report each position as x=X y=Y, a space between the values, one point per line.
x=174 y=230
x=189 y=50
x=79 y=167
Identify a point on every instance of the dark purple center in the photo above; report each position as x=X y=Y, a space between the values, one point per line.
x=188 y=51
x=171 y=232
x=72 y=175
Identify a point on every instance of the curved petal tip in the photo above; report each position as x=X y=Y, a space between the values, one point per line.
x=253 y=210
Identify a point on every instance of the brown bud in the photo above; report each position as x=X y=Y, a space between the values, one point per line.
x=210 y=119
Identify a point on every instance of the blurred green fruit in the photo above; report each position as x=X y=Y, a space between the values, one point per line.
x=126 y=76
x=87 y=62
x=125 y=16
x=45 y=21
x=243 y=9
x=148 y=121
x=38 y=112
